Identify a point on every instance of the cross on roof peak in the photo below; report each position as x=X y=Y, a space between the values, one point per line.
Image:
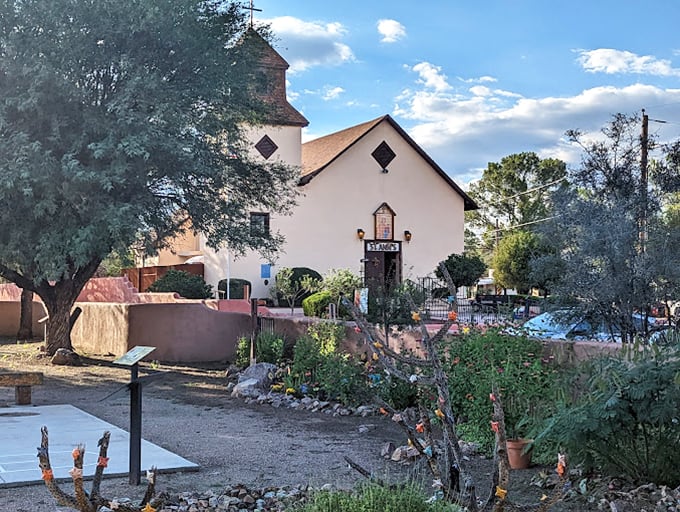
x=252 y=9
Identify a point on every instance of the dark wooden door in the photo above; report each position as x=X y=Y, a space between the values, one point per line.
x=382 y=268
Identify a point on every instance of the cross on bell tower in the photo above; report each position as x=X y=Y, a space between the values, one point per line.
x=252 y=9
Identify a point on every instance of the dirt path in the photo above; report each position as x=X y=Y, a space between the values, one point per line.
x=187 y=410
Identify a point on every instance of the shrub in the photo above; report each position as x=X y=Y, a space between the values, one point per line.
x=317 y=367
x=294 y=282
x=626 y=423
x=341 y=283
x=293 y=288
x=306 y=356
x=269 y=348
x=189 y=286
x=317 y=304
x=342 y=378
x=328 y=335
x=242 y=359
x=527 y=382
x=397 y=392
x=236 y=286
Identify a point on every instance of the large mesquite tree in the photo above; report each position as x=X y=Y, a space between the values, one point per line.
x=121 y=118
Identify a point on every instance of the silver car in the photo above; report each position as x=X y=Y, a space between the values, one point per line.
x=561 y=325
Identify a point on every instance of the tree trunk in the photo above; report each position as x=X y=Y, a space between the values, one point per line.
x=26 y=320
x=58 y=325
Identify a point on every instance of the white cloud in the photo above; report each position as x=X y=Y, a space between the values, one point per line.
x=431 y=76
x=465 y=129
x=480 y=90
x=610 y=61
x=331 y=93
x=307 y=44
x=291 y=95
x=479 y=80
x=391 y=31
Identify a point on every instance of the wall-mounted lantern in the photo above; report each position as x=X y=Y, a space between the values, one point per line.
x=360 y=234
x=407 y=235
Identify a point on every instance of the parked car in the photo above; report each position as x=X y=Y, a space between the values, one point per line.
x=562 y=325
x=654 y=323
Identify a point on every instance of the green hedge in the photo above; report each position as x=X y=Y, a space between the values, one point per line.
x=235 y=287
x=189 y=286
x=317 y=304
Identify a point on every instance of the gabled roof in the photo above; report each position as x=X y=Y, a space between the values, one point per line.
x=319 y=153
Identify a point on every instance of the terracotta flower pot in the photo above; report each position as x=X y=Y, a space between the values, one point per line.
x=519 y=455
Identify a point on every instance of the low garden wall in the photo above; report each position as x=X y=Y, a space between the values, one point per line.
x=182 y=332
x=10 y=313
x=293 y=327
x=569 y=353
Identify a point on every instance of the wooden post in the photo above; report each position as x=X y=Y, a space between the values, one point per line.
x=254 y=329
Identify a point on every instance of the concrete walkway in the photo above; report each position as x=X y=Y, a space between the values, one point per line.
x=67 y=427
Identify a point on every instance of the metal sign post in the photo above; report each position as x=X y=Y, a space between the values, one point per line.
x=131 y=359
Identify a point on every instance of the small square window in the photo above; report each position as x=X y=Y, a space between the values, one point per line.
x=259 y=224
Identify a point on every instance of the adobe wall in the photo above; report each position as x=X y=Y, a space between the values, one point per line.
x=566 y=353
x=184 y=332
x=187 y=332
x=102 y=328
x=293 y=327
x=10 y=312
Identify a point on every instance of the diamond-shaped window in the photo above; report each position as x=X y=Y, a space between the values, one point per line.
x=266 y=147
x=383 y=154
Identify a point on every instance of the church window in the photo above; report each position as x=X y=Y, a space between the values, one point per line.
x=384 y=222
x=383 y=154
x=259 y=224
x=266 y=147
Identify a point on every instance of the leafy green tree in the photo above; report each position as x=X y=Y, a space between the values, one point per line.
x=189 y=286
x=620 y=256
x=464 y=269
x=341 y=282
x=512 y=260
x=293 y=287
x=514 y=192
x=113 y=123
x=114 y=264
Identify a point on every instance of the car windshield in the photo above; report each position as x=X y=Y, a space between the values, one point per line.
x=548 y=323
x=567 y=325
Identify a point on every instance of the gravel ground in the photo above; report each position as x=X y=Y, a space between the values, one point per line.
x=187 y=410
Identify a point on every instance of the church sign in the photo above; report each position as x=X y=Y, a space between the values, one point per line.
x=382 y=246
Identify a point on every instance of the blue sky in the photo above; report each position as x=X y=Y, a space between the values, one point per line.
x=473 y=81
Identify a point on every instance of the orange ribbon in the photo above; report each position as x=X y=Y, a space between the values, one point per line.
x=47 y=475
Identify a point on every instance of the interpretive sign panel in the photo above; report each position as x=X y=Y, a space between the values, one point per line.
x=134 y=355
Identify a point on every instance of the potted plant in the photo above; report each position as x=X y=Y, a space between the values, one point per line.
x=517 y=446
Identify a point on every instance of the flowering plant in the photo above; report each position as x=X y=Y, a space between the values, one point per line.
x=527 y=381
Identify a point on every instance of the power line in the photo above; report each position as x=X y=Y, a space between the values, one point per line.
x=505 y=228
x=540 y=187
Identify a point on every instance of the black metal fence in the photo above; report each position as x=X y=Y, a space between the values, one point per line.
x=437 y=302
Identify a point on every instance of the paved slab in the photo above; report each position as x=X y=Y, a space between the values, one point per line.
x=69 y=426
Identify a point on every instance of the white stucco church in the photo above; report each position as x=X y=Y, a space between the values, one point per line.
x=371 y=201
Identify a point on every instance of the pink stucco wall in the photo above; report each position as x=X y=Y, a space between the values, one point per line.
x=10 y=312
x=184 y=332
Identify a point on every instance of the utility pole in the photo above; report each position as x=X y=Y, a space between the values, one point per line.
x=644 y=179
